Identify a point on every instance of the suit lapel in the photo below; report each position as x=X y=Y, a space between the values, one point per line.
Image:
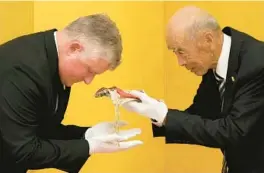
x=233 y=64
x=228 y=95
x=62 y=103
x=60 y=96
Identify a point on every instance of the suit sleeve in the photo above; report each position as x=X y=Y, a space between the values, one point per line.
x=20 y=103
x=63 y=132
x=247 y=110
x=202 y=104
x=198 y=100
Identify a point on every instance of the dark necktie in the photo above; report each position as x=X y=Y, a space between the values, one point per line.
x=221 y=86
x=58 y=99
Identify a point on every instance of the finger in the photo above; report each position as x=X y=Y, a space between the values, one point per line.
x=130 y=105
x=130 y=133
x=121 y=146
x=130 y=102
x=111 y=138
x=126 y=100
x=136 y=107
x=143 y=97
x=138 y=93
x=130 y=144
x=129 y=91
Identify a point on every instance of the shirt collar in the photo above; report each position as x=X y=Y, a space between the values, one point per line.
x=222 y=65
x=55 y=38
x=56 y=41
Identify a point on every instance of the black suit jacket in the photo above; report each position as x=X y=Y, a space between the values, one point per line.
x=32 y=136
x=239 y=128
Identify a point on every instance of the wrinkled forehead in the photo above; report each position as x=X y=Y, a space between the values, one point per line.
x=174 y=38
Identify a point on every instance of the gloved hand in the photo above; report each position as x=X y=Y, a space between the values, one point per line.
x=103 y=139
x=111 y=143
x=149 y=107
x=103 y=128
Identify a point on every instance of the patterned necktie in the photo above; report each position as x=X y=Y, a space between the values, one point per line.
x=221 y=86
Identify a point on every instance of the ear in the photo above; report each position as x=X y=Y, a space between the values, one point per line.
x=75 y=47
x=207 y=39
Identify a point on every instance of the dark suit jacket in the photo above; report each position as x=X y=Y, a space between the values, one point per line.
x=239 y=128
x=32 y=136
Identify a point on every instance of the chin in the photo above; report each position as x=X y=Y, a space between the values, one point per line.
x=86 y=83
x=200 y=73
x=68 y=83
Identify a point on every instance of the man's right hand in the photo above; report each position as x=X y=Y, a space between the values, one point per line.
x=149 y=107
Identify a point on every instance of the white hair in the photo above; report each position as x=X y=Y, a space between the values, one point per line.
x=201 y=23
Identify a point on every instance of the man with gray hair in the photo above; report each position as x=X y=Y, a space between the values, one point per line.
x=228 y=108
x=36 y=75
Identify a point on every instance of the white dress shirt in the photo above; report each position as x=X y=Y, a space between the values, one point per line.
x=222 y=64
x=64 y=87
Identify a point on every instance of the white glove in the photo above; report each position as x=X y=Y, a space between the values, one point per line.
x=149 y=107
x=111 y=143
x=103 y=139
x=103 y=128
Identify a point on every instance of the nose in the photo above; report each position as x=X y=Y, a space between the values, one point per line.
x=181 y=61
x=88 y=79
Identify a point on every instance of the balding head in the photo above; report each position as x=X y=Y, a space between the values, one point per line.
x=190 y=20
x=193 y=30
